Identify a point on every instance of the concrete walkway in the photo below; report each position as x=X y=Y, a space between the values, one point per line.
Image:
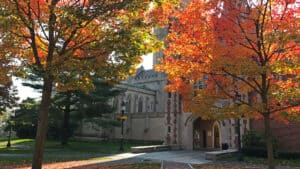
x=168 y=159
x=189 y=157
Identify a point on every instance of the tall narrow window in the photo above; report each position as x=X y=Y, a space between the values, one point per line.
x=147 y=105
x=140 y=105
x=128 y=104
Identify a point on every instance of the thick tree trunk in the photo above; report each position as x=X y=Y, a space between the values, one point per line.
x=269 y=141
x=66 y=120
x=42 y=123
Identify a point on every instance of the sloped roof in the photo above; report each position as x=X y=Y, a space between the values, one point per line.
x=145 y=74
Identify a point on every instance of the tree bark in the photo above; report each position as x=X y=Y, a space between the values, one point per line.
x=66 y=120
x=42 y=123
x=268 y=138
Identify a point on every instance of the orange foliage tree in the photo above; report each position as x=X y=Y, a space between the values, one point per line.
x=56 y=39
x=245 y=54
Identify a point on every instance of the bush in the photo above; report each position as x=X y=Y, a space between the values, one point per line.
x=289 y=155
x=254 y=144
x=255 y=151
x=25 y=130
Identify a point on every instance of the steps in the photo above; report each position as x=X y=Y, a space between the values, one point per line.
x=213 y=155
x=151 y=148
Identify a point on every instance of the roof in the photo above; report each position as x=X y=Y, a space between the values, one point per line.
x=145 y=74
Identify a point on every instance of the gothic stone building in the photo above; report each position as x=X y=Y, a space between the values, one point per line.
x=155 y=115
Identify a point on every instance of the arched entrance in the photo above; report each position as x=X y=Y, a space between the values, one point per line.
x=197 y=134
x=216 y=135
x=206 y=134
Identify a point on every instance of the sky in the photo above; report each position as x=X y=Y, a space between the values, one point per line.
x=147 y=61
x=25 y=92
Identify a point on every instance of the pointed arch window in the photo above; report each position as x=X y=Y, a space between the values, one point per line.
x=147 y=105
x=128 y=104
x=140 y=105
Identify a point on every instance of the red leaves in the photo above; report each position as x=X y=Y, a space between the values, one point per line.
x=163 y=13
x=233 y=45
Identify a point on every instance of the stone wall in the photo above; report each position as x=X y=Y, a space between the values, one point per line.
x=143 y=126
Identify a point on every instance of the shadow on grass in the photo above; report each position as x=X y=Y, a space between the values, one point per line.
x=22 y=150
x=104 y=162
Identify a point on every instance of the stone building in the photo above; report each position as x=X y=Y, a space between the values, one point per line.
x=156 y=115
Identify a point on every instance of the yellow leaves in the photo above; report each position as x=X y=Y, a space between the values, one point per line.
x=84 y=84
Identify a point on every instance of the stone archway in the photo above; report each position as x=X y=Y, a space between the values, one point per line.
x=216 y=135
x=197 y=134
x=206 y=134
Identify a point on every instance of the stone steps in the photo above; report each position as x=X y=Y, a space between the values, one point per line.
x=151 y=148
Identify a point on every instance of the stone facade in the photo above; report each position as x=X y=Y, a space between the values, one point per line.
x=156 y=115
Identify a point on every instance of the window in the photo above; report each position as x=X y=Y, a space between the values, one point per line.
x=147 y=105
x=128 y=104
x=140 y=105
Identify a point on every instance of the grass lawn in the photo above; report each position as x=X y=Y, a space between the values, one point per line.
x=22 y=149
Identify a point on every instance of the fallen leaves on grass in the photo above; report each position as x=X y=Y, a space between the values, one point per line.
x=86 y=164
x=227 y=167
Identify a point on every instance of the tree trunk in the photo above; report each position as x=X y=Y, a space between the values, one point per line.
x=268 y=137
x=42 y=123
x=66 y=120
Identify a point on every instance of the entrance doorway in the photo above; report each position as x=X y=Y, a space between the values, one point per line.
x=217 y=136
x=204 y=138
x=206 y=134
x=197 y=140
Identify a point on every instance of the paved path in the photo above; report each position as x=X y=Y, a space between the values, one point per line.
x=190 y=157
x=168 y=159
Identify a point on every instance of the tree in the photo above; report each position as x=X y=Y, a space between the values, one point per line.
x=8 y=101
x=95 y=106
x=77 y=106
x=8 y=97
x=25 y=121
x=245 y=54
x=85 y=36
x=8 y=92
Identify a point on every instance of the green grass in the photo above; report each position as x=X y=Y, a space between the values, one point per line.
x=54 y=151
x=263 y=161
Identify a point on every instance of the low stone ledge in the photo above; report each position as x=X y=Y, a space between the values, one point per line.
x=89 y=139
x=213 y=155
x=151 y=148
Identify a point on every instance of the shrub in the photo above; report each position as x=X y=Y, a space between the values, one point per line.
x=289 y=155
x=25 y=130
x=254 y=144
